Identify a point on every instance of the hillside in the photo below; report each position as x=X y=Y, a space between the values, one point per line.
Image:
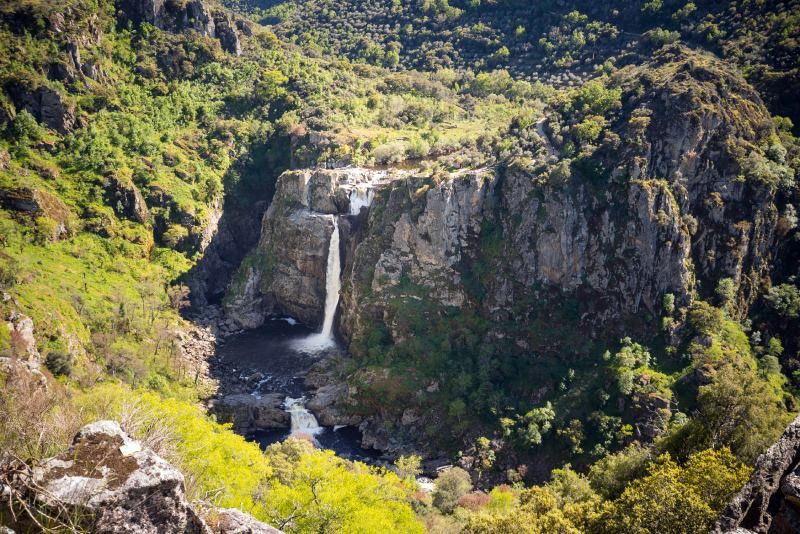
x=567 y=248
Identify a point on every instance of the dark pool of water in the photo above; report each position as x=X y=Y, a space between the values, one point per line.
x=267 y=350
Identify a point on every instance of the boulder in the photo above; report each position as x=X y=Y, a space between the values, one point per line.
x=769 y=502
x=233 y=521
x=126 y=198
x=325 y=405
x=108 y=483
x=249 y=412
x=120 y=486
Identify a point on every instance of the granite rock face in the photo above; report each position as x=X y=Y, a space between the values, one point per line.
x=47 y=105
x=127 y=198
x=109 y=483
x=123 y=487
x=285 y=273
x=194 y=15
x=770 y=501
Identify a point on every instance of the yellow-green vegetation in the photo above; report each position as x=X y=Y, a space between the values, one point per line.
x=668 y=498
x=292 y=484
x=315 y=491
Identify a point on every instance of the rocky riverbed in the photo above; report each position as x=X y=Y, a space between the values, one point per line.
x=258 y=370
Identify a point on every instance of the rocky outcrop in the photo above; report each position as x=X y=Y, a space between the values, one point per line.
x=195 y=15
x=233 y=521
x=126 y=198
x=20 y=329
x=33 y=203
x=48 y=106
x=285 y=273
x=124 y=487
x=107 y=482
x=252 y=412
x=770 y=501
x=228 y=33
x=682 y=128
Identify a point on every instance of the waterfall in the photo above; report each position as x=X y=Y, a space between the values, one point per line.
x=360 y=197
x=324 y=339
x=302 y=421
x=332 y=281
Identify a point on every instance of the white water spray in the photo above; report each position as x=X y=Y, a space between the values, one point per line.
x=302 y=421
x=324 y=339
x=360 y=197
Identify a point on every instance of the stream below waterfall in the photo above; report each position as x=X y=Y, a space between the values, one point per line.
x=266 y=360
x=273 y=359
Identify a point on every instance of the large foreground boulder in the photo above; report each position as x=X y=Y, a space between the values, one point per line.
x=107 y=482
x=124 y=487
x=770 y=501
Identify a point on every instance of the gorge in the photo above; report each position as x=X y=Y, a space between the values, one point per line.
x=367 y=266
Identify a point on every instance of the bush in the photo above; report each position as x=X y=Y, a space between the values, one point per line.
x=333 y=495
x=726 y=291
x=609 y=475
x=474 y=501
x=450 y=487
x=9 y=268
x=661 y=37
x=677 y=499
x=175 y=235
x=59 y=363
x=25 y=129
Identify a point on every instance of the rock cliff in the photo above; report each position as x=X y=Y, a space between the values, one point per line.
x=194 y=15
x=677 y=204
x=770 y=501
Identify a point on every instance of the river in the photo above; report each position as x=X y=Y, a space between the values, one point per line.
x=271 y=354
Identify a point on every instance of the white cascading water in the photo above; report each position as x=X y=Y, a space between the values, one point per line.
x=324 y=339
x=360 y=197
x=302 y=421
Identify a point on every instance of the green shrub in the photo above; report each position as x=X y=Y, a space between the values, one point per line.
x=451 y=485
x=59 y=363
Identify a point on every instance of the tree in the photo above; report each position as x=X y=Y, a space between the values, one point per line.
x=484 y=455
x=59 y=363
x=738 y=410
x=674 y=499
x=408 y=466
x=609 y=475
x=726 y=291
x=570 y=487
x=25 y=129
x=315 y=491
x=537 y=423
x=784 y=300
x=451 y=486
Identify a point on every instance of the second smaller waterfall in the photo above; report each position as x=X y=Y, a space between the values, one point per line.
x=360 y=197
x=302 y=421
